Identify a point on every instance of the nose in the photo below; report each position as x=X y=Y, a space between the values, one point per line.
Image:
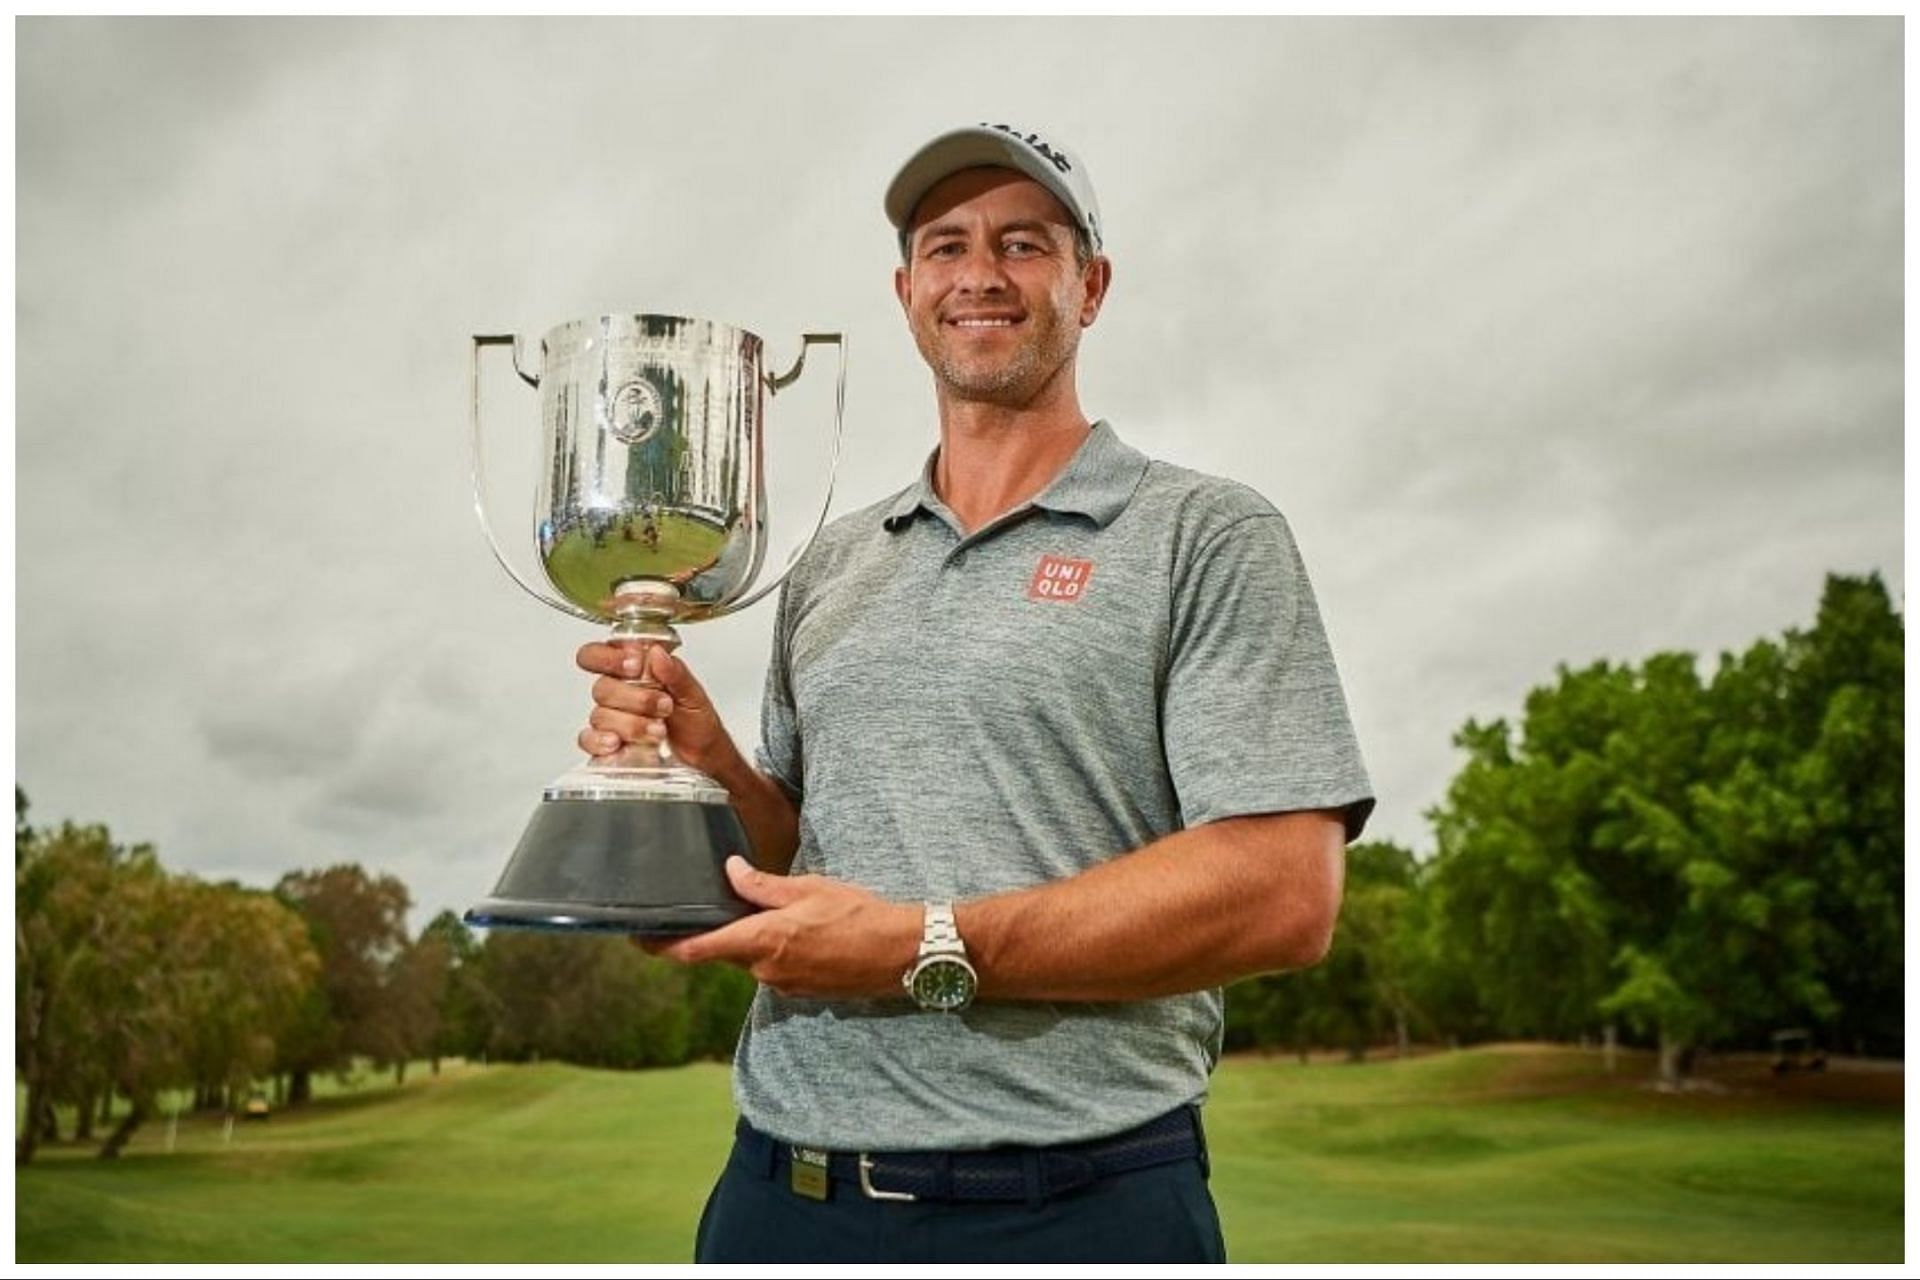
x=981 y=272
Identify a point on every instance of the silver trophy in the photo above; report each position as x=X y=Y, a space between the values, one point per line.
x=651 y=510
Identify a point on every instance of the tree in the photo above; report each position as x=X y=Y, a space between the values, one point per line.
x=718 y=997
x=1375 y=923
x=88 y=973
x=357 y=923
x=1701 y=860
x=461 y=1019
x=1849 y=672
x=409 y=1019
x=248 y=964
x=1362 y=991
x=1511 y=896
x=22 y=833
x=1790 y=849
x=593 y=1001
x=136 y=994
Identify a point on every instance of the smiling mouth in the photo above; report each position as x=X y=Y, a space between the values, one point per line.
x=997 y=322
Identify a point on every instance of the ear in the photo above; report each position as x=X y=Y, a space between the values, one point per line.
x=902 y=286
x=1098 y=277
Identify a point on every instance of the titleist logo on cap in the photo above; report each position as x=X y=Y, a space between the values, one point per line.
x=1035 y=141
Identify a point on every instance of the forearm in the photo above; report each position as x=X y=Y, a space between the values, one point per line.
x=771 y=820
x=1192 y=911
x=1195 y=910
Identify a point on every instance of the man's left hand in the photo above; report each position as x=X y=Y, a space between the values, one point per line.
x=814 y=936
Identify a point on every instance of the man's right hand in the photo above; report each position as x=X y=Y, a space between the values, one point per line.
x=679 y=712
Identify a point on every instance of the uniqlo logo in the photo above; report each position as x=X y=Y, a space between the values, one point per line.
x=1058 y=578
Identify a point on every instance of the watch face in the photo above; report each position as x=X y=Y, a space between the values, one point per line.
x=944 y=984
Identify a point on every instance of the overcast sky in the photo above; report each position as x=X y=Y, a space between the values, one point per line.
x=1555 y=341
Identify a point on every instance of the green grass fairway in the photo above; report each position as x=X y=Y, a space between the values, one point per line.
x=1526 y=1154
x=1504 y=1155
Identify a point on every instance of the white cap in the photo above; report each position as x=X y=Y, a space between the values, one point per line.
x=1043 y=159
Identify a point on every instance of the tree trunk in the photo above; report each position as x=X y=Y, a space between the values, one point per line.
x=28 y=1142
x=1612 y=1045
x=118 y=1138
x=301 y=1089
x=39 y=1001
x=106 y=1105
x=400 y=1072
x=83 y=1119
x=1675 y=1057
x=1402 y=1042
x=434 y=1061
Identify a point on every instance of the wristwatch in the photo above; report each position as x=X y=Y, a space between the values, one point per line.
x=941 y=979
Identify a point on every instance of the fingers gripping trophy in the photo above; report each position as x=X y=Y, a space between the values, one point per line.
x=651 y=510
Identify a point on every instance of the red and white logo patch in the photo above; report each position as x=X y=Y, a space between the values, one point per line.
x=1058 y=578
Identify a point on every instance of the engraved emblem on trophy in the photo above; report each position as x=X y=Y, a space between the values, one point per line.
x=651 y=510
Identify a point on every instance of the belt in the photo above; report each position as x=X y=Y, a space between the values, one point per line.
x=1031 y=1174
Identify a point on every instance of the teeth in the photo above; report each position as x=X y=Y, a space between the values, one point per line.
x=984 y=324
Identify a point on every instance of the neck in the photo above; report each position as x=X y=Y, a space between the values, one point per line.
x=993 y=457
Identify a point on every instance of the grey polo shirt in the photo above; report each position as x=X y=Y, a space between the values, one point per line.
x=1134 y=652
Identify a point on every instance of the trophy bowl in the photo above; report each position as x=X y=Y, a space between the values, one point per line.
x=650 y=511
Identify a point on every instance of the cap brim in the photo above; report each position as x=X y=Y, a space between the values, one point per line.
x=961 y=149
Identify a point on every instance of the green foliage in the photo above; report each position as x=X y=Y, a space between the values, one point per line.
x=357 y=923
x=1365 y=987
x=1700 y=859
x=133 y=980
x=717 y=997
x=596 y=1001
x=460 y=1021
x=248 y=966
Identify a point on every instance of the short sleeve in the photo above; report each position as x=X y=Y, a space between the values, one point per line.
x=1253 y=716
x=779 y=755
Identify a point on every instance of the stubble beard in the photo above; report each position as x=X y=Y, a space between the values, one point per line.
x=1013 y=381
x=995 y=383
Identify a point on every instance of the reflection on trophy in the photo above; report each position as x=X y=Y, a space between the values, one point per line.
x=651 y=510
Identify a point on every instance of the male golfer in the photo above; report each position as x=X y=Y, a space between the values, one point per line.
x=1053 y=747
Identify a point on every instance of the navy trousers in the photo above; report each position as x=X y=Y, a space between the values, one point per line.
x=1159 y=1214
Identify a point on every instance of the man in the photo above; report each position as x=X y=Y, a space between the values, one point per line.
x=1053 y=748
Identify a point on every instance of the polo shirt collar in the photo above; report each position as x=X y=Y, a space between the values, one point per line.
x=1097 y=482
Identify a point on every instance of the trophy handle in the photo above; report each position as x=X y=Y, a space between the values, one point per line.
x=479 y=475
x=774 y=383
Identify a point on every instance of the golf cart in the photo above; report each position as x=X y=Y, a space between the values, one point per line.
x=1794 y=1050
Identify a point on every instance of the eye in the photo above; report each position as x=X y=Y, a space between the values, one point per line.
x=944 y=249
x=1023 y=248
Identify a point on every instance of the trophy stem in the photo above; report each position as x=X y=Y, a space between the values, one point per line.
x=641 y=608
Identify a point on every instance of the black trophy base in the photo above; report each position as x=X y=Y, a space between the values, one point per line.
x=650 y=868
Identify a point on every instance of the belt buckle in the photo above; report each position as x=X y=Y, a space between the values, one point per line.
x=807 y=1173
x=872 y=1192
